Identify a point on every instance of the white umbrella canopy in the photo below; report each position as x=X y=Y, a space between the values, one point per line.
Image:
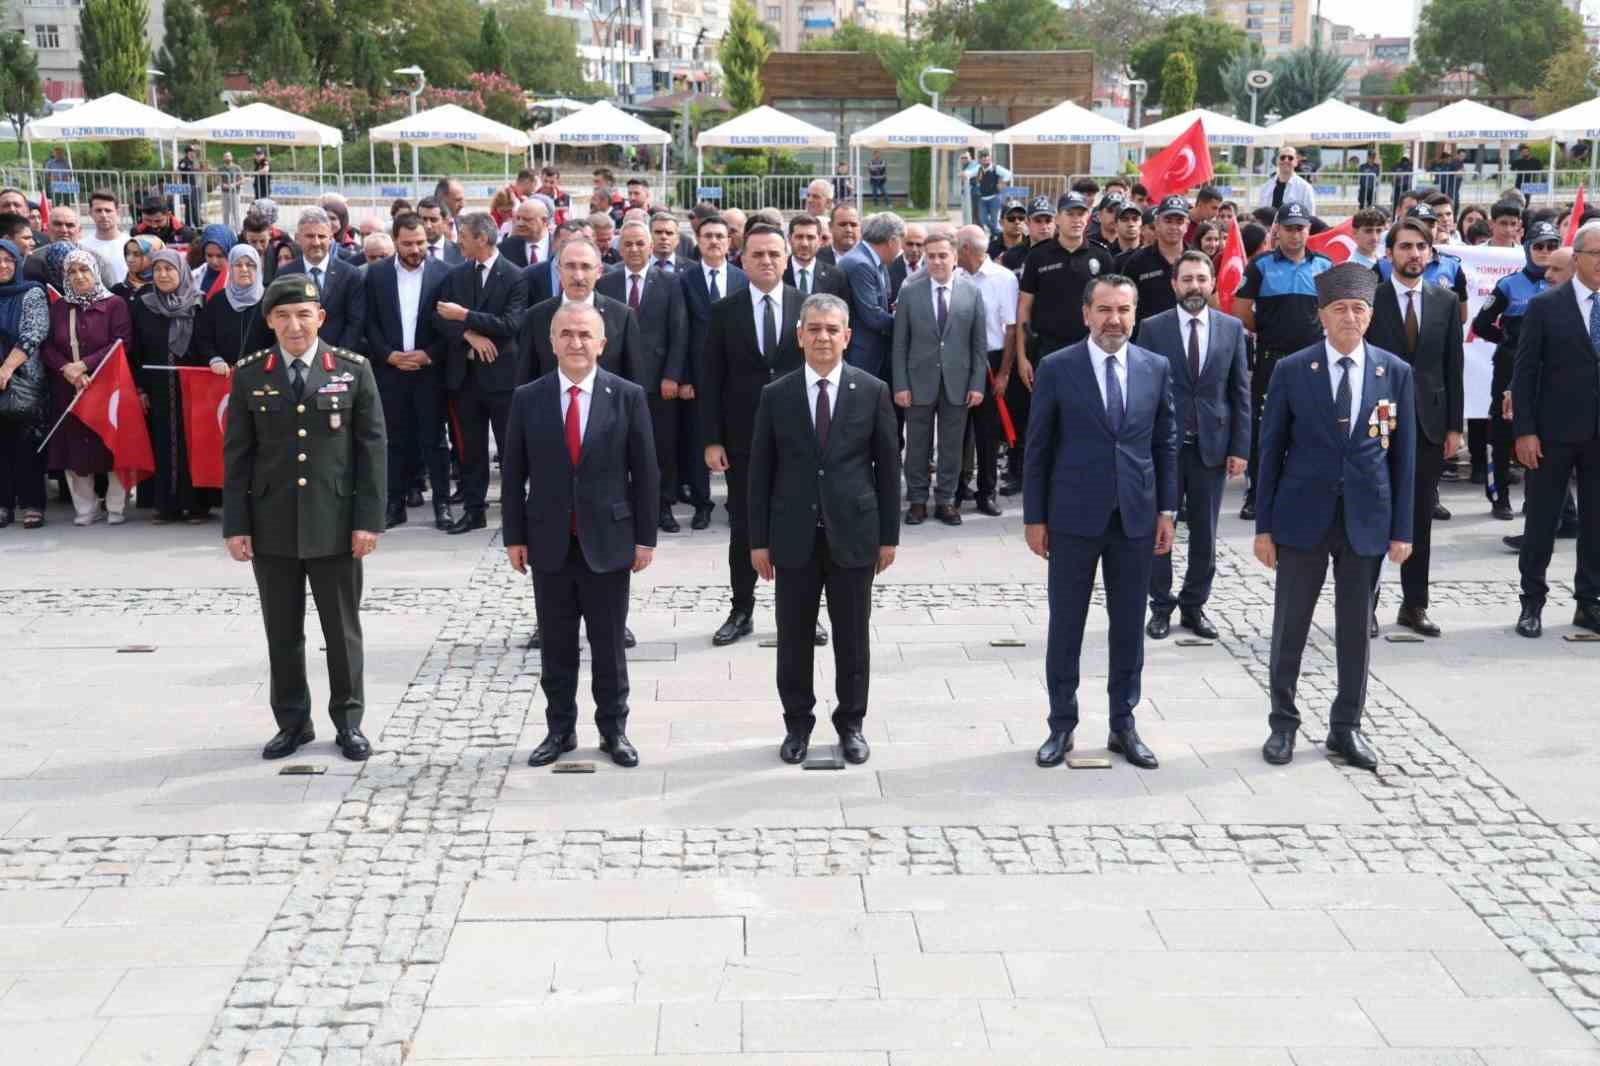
x=1471 y=122
x=920 y=126
x=1067 y=123
x=112 y=117
x=450 y=124
x=600 y=123
x=1220 y=130
x=560 y=103
x=1335 y=123
x=1579 y=122
x=766 y=127
x=261 y=123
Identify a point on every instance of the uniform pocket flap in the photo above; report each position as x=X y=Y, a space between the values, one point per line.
x=620 y=510
x=332 y=403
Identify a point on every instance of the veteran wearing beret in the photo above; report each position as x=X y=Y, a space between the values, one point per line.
x=303 y=500
x=1337 y=469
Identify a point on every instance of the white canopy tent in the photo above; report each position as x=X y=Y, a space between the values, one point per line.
x=602 y=122
x=1221 y=130
x=261 y=123
x=560 y=103
x=1067 y=123
x=1581 y=122
x=446 y=125
x=918 y=126
x=1469 y=122
x=765 y=127
x=112 y=117
x=1336 y=124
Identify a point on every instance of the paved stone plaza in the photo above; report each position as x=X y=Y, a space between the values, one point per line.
x=167 y=897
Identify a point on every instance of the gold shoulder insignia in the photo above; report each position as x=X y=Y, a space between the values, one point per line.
x=252 y=357
x=354 y=357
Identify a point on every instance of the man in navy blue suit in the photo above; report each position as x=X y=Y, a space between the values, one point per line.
x=1099 y=493
x=340 y=283
x=866 y=270
x=706 y=282
x=1335 y=481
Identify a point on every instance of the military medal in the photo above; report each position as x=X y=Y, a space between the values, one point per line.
x=1382 y=421
x=334 y=421
x=1372 y=431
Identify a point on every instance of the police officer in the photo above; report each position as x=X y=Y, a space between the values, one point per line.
x=1277 y=301
x=303 y=498
x=1151 y=268
x=1041 y=228
x=1103 y=231
x=1130 y=220
x=1013 y=228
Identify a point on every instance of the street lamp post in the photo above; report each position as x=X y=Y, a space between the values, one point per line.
x=934 y=174
x=151 y=74
x=422 y=83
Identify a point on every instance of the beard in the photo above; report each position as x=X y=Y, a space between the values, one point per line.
x=1193 y=302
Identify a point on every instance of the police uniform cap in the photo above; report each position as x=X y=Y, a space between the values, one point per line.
x=1040 y=206
x=1543 y=232
x=1347 y=281
x=1423 y=212
x=1149 y=216
x=289 y=289
x=1013 y=204
x=1173 y=205
x=1128 y=207
x=1107 y=203
x=1071 y=201
x=1293 y=215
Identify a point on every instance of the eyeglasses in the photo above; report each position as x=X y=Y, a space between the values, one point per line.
x=1286 y=159
x=1545 y=246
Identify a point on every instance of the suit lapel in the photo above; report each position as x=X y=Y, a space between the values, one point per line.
x=1214 y=353
x=842 y=403
x=1083 y=366
x=1322 y=383
x=316 y=376
x=1581 y=324
x=602 y=412
x=1373 y=389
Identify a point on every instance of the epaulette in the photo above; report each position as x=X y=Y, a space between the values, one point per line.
x=252 y=357
x=353 y=357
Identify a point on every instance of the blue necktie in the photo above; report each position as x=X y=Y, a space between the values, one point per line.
x=1113 y=396
x=715 y=295
x=1594 y=319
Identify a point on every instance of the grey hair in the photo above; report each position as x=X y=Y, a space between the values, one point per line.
x=1587 y=227
x=972 y=239
x=574 y=307
x=480 y=225
x=820 y=185
x=534 y=201
x=825 y=303
x=379 y=240
x=312 y=216
x=543 y=201
x=883 y=227
x=634 y=223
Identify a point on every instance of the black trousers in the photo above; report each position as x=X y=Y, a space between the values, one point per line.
x=1546 y=488
x=561 y=599
x=412 y=409
x=1019 y=398
x=664 y=424
x=1260 y=378
x=1414 y=571
x=1301 y=573
x=1200 y=488
x=741 y=575
x=21 y=468
x=986 y=432
x=336 y=587
x=692 y=469
x=1478 y=443
x=476 y=412
x=1501 y=438
x=798 y=595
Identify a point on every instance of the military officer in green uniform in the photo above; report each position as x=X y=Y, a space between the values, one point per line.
x=303 y=498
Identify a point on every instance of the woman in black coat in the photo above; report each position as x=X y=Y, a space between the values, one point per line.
x=230 y=325
x=163 y=336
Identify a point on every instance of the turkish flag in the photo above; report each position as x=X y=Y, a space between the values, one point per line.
x=109 y=405
x=1230 y=268
x=1180 y=166
x=1336 y=243
x=205 y=418
x=217 y=285
x=1575 y=221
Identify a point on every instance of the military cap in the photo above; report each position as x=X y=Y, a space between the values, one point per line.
x=1173 y=205
x=1347 y=281
x=1293 y=214
x=1040 y=206
x=290 y=289
x=1071 y=201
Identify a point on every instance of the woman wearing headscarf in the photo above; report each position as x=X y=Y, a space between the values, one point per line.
x=281 y=252
x=24 y=323
x=85 y=324
x=230 y=326
x=163 y=332
x=216 y=240
x=137 y=253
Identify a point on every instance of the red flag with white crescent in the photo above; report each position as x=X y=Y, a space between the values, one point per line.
x=1180 y=166
x=205 y=419
x=1575 y=221
x=1230 y=268
x=1336 y=242
x=109 y=405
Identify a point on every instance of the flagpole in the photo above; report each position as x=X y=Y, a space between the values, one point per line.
x=115 y=348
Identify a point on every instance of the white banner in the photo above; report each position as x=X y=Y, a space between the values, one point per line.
x=1485 y=266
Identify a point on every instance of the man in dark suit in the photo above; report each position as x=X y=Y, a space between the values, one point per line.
x=806 y=273
x=664 y=243
x=528 y=243
x=437 y=225
x=711 y=279
x=1335 y=481
x=407 y=353
x=578 y=481
x=909 y=261
x=1421 y=322
x=1099 y=493
x=1205 y=351
x=480 y=312
x=579 y=267
x=656 y=300
x=543 y=279
x=1555 y=414
x=339 y=282
x=824 y=514
x=866 y=269
x=844 y=232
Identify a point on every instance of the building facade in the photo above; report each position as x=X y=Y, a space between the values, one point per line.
x=687 y=34
x=51 y=27
x=616 y=42
x=1279 y=26
x=799 y=21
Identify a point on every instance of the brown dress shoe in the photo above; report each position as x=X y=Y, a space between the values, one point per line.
x=947 y=514
x=916 y=514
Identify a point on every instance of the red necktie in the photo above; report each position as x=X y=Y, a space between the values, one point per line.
x=574 y=443
x=633 y=293
x=533 y=255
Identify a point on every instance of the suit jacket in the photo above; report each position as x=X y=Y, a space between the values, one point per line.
x=898 y=270
x=452 y=253
x=852 y=485
x=515 y=248
x=826 y=254
x=497 y=314
x=1306 y=465
x=663 y=324
x=343 y=299
x=871 y=324
x=384 y=331
x=1437 y=364
x=614 y=489
x=536 y=357
x=1555 y=381
x=928 y=361
x=1083 y=471
x=1222 y=395
x=735 y=371
x=825 y=277
x=541 y=281
x=697 y=302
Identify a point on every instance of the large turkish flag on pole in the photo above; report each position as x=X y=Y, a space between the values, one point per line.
x=1230 y=268
x=1336 y=243
x=205 y=417
x=1180 y=166
x=109 y=405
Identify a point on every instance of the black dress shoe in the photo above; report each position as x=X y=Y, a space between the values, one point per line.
x=916 y=514
x=1055 y=748
x=443 y=517
x=1353 y=747
x=628 y=639
x=853 y=746
x=738 y=625
x=621 y=750
x=414 y=498
x=1010 y=487
x=552 y=748
x=1279 y=748
x=987 y=506
x=534 y=640
x=1587 y=616
x=1567 y=531
x=1159 y=626
x=1502 y=510
x=1529 y=622
x=1514 y=543
x=1416 y=619
x=1196 y=622
x=667 y=523
x=702 y=517
x=394 y=516
x=1441 y=513
x=288 y=741
x=1248 y=511
x=947 y=514
x=468 y=521
x=821 y=639
x=793 y=749
x=5 y=517
x=458 y=496
x=353 y=744
x=1130 y=747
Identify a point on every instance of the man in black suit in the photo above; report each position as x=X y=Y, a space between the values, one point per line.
x=578 y=481
x=480 y=312
x=528 y=243
x=1555 y=414
x=340 y=283
x=656 y=300
x=806 y=273
x=579 y=267
x=664 y=244
x=543 y=279
x=407 y=354
x=909 y=261
x=710 y=279
x=824 y=514
x=844 y=231
x=437 y=225
x=1421 y=323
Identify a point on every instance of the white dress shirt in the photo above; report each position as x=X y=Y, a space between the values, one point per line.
x=812 y=392
x=756 y=298
x=1098 y=356
x=949 y=288
x=585 y=399
x=642 y=276
x=408 y=290
x=722 y=277
x=1583 y=293
x=1204 y=318
x=587 y=301
x=1357 y=373
x=488 y=265
x=810 y=271
x=999 y=288
x=1400 y=290
x=321 y=269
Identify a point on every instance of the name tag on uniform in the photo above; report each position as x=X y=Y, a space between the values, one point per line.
x=335 y=420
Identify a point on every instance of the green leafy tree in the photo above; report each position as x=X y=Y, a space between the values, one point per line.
x=905 y=61
x=1178 y=83
x=543 y=54
x=1002 y=25
x=282 y=56
x=367 y=68
x=494 y=51
x=441 y=37
x=116 y=47
x=1210 y=42
x=1506 y=43
x=1305 y=78
x=1116 y=27
x=1568 y=80
x=744 y=50
x=20 y=91
x=1233 y=74
x=192 y=79
x=326 y=31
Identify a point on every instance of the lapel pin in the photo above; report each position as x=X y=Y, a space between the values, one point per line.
x=1378 y=372
x=608 y=390
x=852 y=384
x=1315 y=366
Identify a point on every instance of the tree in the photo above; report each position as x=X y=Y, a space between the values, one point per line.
x=324 y=29
x=1234 y=72
x=1210 y=42
x=543 y=54
x=1178 y=81
x=1306 y=77
x=1002 y=25
x=1568 y=80
x=189 y=59
x=366 y=67
x=1115 y=27
x=20 y=92
x=116 y=47
x=282 y=57
x=494 y=51
x=743 y=52
x=1506 y=43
